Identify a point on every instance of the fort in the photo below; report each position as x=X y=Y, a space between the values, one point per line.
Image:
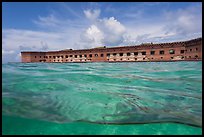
x=174 y=51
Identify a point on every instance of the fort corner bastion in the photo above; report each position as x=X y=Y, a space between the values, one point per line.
x=190 y=50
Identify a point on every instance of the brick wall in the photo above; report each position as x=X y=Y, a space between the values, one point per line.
x=187 y=50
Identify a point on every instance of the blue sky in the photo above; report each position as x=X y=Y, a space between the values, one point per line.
x=43 y=26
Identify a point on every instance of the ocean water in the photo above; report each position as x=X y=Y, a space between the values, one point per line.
x=145 y=98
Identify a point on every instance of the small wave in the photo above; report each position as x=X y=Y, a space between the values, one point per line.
x=103 y=93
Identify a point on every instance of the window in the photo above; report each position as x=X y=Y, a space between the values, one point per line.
x=58 y=60
x=66 y=56
x=54 y=60
x=85 y=59
x=114 y=54
x=114 y=59
x=128 y=54
x=85 y=55
x=101 y=55
x=90 y=55
x=50 y=56
x=40 y=56
x=171 y=51
x=189 y=56
x=58 y=56
x=80 y=56
x=135 y=53
x=75 y=56
x=96 y=55
x=182 y=51
x=135 y=58
x=196 y=56
x=70 y=55
x=143 y=58
x=172 y=57
x=121 y=54
x=161 y=52
x=161 y=57
x=190 y=50
x=144 y=53
x=44 y=57
x=196 y=49
x=182 y=57
x=35 y=57
x=121 y=59
x=152 y=52
x=54 y=57
x=108 y=54
x=128 y=58
x=152 y=58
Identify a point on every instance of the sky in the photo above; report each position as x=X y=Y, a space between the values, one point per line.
x=50 y=26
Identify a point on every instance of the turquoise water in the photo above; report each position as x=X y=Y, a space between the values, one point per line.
x=102 y=98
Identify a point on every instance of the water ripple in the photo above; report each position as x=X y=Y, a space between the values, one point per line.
x=110 y=93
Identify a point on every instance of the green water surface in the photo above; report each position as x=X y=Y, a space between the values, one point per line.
x=73 y=98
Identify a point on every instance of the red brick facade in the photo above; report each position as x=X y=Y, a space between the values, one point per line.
x=186 y=50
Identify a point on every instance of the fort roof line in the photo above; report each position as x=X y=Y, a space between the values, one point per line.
x=118 y=47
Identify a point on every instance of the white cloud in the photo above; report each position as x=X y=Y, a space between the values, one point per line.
x=174 y=25
x=93 y=35
x=104 y=32
x=50 y=21
x=134 y=14
x=184 y=21
x=113 y=24
x=92 y=14
x=38 y=40
x=113 y=31
x=9 y=56
x=4 y=52
x=68 y=9
x=17 y=40
x=55 y=24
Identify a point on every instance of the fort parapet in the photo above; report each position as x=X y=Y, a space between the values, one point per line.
x=174 y=51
